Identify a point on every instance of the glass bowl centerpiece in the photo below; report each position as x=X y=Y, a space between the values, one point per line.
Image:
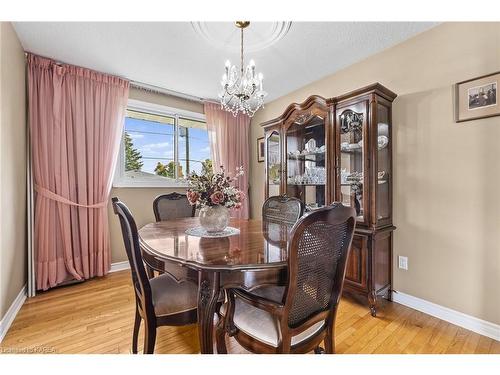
x=214 y=194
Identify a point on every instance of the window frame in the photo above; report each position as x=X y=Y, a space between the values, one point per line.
x=120 y=180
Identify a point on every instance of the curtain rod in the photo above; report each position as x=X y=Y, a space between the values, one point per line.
x=147 y=86
x=161 y=90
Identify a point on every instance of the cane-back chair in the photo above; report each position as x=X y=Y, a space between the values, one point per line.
x=282 y=209
x=297 y=317
x=172 y=206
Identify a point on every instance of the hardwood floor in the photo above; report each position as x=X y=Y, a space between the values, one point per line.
x=97 y=317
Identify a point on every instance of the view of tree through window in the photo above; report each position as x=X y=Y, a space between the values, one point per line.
x=133 y=158
x=151 y=150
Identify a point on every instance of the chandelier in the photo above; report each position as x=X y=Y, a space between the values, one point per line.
x=242 y=90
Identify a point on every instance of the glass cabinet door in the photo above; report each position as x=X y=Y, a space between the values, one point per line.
x=383 y=202
x=306 y=156
x=273 y=160
x=352 y=128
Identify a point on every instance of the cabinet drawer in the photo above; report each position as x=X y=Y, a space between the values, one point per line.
x=357 y=263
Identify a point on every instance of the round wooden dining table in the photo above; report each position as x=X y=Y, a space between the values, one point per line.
x=256 y=256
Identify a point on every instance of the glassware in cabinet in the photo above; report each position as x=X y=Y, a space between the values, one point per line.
x=306 y=161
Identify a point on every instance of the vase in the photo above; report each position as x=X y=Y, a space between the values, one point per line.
x=214 y=218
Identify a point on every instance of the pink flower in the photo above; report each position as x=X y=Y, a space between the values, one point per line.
x=217 y=197
x=192 y=197
x=237 y=205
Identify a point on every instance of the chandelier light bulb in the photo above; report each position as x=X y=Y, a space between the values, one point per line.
x=252 y=68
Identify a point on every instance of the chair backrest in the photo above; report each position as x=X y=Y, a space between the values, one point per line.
x=317 y=258
x=140 y=279
x=282 y=209
x=276 y=233
x=172 y=206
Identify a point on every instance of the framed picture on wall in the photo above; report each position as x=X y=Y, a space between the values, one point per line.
x=477 y=98
x=260 y=149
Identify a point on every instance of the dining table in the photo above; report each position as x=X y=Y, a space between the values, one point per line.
x=255 y=254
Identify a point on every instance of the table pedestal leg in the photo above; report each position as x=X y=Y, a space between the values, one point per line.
x=208 y=293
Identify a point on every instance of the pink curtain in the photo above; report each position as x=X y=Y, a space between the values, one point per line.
x=229 y=144
x=76 y=118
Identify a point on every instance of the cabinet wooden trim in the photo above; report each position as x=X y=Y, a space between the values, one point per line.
x=375 y=88
x=313 y=100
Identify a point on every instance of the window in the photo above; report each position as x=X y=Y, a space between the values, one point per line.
x=161 y=146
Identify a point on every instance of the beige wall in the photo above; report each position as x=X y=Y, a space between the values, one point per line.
x=12 y=167
x=140 y=200
x=446 y=176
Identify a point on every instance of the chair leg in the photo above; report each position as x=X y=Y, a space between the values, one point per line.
x=135 y=335
x=220 y=337
x=149 y=338
x=230 y=328
x=284 y=348
x=329 y=342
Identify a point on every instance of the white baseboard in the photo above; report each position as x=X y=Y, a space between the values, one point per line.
x=469 y=322
x=119 y=266
x=11 y=313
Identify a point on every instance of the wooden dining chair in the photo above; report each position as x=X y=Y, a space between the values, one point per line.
x=160 y=301
x=172 y=206
x=169 y=207
x=282 y=209
x=297 y=317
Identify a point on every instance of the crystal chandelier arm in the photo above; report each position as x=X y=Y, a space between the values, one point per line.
x=232 y=92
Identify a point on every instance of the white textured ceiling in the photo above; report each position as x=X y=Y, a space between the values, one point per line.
x=188 y=57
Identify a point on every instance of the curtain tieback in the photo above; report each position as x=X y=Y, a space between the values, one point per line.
x=59 y=198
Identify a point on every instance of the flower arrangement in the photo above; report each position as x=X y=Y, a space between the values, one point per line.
x=215 y=189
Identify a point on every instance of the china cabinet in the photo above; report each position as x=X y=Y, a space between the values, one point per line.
x=340 y=149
